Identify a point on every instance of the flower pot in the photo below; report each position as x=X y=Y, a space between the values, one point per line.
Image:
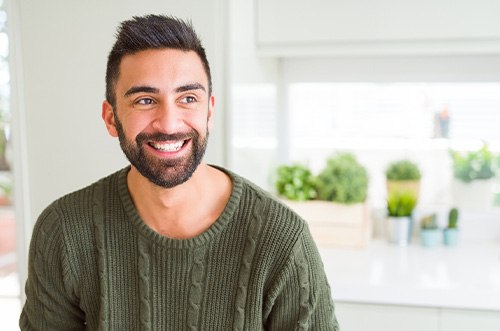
x=430 y=237
x=403 y=185
x=450 y=236
x=398 y=230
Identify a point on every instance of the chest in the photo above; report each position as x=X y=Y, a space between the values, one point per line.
x=141 y=286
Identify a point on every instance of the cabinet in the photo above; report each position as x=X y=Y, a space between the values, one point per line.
x=458 y=320
x=361 y=317
x=316 y=27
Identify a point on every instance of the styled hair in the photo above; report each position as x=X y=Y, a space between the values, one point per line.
x=151 y=32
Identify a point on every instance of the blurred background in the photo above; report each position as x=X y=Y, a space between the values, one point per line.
x=370 y=92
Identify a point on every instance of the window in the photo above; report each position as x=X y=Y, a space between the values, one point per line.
x=395 y=110
x=254 y=140
x=382 y=122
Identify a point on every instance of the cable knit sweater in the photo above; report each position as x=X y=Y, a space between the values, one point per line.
x=95 y=265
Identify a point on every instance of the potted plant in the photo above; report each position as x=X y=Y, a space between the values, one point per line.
x=295 y=182
x=403 y=175
x=429 y=231
x=344 y=180
x=474 y=178
x=336 y=210
x=296 y=186
x=400 y=206
x=342 y=193
x=450 y=233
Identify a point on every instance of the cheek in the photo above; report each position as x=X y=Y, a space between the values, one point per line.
x=203 y=126
x=197 y=121
x=135 y=125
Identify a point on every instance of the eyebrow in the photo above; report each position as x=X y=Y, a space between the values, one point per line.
x=141 y=89
x=190 y=87
x=150 y=89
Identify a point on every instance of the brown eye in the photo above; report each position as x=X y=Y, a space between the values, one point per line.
x=188 y=99
x=145 y=101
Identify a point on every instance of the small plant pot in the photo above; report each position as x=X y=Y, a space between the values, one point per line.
x=430 y=237
x=450 y=236
x=398 y=230
x=403 y=185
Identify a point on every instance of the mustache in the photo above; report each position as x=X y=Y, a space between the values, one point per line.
x=159 y=136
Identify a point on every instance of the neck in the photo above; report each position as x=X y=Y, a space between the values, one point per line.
x=183 y=211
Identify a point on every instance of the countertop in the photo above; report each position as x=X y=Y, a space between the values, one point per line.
x=464 y=277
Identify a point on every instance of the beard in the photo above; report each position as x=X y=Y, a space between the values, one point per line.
x=161 y=172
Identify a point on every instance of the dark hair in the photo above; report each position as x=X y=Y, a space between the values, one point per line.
x=151 y=32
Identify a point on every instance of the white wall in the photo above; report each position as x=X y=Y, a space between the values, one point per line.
x=58 y=55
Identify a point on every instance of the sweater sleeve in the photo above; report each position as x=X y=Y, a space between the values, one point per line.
x=51 y=303
x=301 y=298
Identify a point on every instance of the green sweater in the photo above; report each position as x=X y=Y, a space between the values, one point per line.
x=95 y=265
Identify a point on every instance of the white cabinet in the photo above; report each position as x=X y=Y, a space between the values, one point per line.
x=457 y=320
x=289 y=27
x=362 y=317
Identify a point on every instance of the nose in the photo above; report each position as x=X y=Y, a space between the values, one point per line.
x=167 y=119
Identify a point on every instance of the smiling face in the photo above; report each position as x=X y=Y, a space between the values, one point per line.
x=162 y=115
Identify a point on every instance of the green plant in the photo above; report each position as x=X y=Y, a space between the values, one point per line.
x=295 y=182
x=401 y=203
x=469 y=166
x=453 y=218
x=343 y=180
x=403 y=170
x=429 y=222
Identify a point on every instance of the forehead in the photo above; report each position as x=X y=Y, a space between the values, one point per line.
x=163 y=67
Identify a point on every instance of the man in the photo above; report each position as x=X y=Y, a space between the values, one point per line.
x=170 y=243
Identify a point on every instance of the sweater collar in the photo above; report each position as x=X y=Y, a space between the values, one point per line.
x=203 y=238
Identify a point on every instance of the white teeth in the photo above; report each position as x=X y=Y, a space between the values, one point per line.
x=174 y=147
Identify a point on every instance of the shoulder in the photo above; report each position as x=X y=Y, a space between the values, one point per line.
x=279 y=223
x=78 y=206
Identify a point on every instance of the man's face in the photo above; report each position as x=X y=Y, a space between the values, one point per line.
x=162 y=115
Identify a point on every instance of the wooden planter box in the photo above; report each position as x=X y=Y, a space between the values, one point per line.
x=334 y=224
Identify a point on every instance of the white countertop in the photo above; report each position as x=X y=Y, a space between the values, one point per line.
x=466 y=276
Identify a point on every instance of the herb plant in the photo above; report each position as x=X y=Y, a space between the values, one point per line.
x=343 y=180
x=295 y=182
x=401 y=203
x=403 y=170
x=473 y=165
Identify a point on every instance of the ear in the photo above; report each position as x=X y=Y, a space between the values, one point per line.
x=211 y=104
x=108 y=117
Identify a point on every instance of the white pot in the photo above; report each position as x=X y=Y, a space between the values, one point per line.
x=398 y=230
